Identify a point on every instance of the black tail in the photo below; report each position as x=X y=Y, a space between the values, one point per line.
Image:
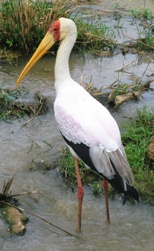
x=118 y=184
x=131 y=192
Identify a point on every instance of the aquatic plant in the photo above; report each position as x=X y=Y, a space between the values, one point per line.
x=144 y=13
x=146 y=43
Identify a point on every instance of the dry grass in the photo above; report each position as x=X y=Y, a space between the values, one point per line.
x=23 y=25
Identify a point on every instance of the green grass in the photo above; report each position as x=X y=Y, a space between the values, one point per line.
x=24 y=23
x=12 y=106
x=144 y=13
x=88 y=177
x=94 y=36
x=121 y=88
x=135 y=139
x=146 y=38
x=146 y=43
x=6 y=103
x=68 y=170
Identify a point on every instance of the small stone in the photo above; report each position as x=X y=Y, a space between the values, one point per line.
x=17 y=220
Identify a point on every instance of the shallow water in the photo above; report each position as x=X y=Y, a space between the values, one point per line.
x=100 y=71
x=23 y=148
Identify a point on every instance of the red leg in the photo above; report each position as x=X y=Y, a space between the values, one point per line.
x=105 y=185
x=80 y=193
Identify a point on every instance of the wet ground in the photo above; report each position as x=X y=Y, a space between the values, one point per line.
x=24 y=150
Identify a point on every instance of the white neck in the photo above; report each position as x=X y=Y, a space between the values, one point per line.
x=62 y=71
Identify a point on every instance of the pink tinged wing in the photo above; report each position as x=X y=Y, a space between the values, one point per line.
x=84 y=120
x=88 y=131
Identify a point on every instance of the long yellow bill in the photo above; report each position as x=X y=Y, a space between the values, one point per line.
x=46 y=43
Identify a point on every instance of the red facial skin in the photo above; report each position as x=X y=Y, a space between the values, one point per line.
x=55 y=30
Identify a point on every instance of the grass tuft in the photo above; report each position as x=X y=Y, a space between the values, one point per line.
x=94 y=36
x=143 y=14
x=12 y=106
x=6 y=103
x=136 y=140
x=24 y=23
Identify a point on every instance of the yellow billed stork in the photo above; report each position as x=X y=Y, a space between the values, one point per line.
x=91 y=133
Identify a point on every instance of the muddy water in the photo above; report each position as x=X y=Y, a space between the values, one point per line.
x=23 y=148
x=124 y=5
x=100 y=71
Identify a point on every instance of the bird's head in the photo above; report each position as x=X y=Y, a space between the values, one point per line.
x=57 y=32
x=62 y=27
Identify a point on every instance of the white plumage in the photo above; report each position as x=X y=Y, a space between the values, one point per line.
x=81 y=118
x=88 y=128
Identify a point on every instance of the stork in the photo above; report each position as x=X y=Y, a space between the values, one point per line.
x=91 y=133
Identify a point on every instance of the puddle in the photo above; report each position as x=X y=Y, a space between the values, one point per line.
x=131 y=226
x=126 y=5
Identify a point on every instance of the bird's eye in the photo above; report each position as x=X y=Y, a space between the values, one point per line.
x=55 y=29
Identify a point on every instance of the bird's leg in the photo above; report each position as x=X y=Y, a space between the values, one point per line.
x=80 y=192
x=105 y=185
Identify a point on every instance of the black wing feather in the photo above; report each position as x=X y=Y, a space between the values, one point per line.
x=117 y=183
